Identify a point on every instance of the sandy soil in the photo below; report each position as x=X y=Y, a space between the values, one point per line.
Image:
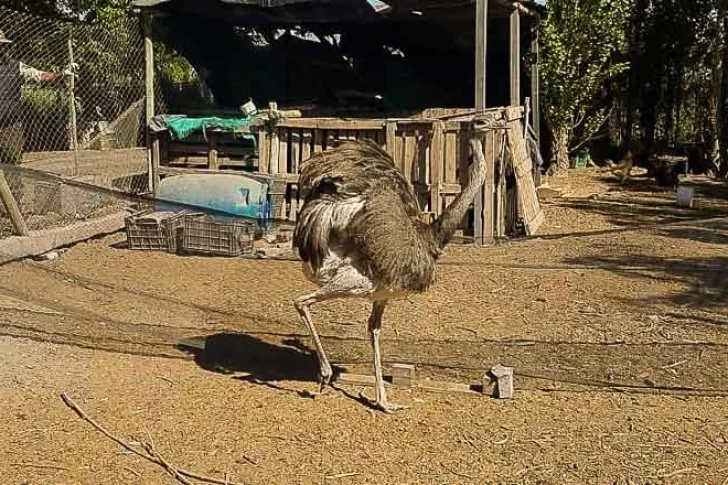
x=615 y=319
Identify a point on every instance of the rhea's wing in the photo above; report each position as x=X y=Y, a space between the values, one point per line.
x=335 y=185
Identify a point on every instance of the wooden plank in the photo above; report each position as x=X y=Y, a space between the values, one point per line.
x=535 y=86
x=437 y=165
x=501 y=207
x=212 y=151
x=523 y=166
x=463 y=160
x=515 y=57
x=166 y=170
x=318 y=140
x=295 y=141
x=399 y=152
x=40 y=242
x=263 y=151
x=283 y=141
x=381 y=138
x=154 y=166
x=274 y=149
x=390 y=138
x=332 y=124
x=305 y=146
x=11 y=207
x=488 y=188
x=408 y=157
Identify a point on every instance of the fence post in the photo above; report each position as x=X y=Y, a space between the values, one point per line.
x=152 y=142
x=73 y=128
x=11 y=207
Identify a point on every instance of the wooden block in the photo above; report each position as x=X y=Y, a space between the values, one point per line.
x=403 y=375
x=503 y=377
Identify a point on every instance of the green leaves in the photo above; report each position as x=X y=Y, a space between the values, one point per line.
x=578 y=40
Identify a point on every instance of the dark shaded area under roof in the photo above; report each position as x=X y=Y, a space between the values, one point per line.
x=339 y=52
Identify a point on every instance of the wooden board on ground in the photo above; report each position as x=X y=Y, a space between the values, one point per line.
x=40 y=242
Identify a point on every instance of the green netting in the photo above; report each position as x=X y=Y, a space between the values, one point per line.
x=180 y=127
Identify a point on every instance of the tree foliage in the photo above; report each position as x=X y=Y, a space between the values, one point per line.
x=578 y=41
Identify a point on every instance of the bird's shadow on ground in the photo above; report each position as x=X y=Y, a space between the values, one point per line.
x=259 y=362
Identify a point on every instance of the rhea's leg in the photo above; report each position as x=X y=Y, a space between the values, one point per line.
x=302 y=305
x=375 y=328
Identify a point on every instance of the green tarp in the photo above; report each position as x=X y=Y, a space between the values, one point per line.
x=180 y=127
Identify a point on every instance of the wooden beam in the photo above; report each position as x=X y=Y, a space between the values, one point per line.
x=535 y=85
x=481 y=55
x=40 y=242
x=488 y=200
x=152 y=142
x=11 y=207
x=515 y=52
x=331 y=124
x=481 y=51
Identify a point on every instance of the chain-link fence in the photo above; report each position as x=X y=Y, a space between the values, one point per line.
x=72 y=103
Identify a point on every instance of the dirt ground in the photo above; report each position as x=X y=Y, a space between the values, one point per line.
x=615 y=318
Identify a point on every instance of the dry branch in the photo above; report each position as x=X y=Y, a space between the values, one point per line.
x=149 y=453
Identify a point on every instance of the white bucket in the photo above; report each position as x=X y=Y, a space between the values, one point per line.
x=684 y=196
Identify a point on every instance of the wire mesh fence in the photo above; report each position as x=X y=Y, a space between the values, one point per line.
x=72 y=104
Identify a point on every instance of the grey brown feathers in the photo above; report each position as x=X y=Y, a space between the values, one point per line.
x=358 y=204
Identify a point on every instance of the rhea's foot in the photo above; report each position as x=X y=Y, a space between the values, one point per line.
x=383 y=405
x=324 y=378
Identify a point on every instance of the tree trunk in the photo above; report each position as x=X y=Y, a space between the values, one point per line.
x=722 y=118
x=560 y=149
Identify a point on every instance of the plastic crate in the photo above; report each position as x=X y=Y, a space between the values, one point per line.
x=153 y=231
x=205 y=235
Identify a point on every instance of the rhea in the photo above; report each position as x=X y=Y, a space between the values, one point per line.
x=360 y=234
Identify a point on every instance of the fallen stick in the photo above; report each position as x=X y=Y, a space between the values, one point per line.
x=151 y=454
x=40 y=465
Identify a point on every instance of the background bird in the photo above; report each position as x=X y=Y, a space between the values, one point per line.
x=359 y=234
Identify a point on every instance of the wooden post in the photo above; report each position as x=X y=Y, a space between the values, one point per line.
x=481 y=55
x=437 y=166
x=11 y=207
x=481 y=52
x=152 y=142
x=535 y=86
x=73 y=128
x=488 y=201
x=390 y=138
x=212 y=154
x=515 y=51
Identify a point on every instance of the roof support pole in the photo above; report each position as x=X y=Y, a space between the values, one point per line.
x=483 y=204
x=152 y=141
x=535 y=84
x=515 y=51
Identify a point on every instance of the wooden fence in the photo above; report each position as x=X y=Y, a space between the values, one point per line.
x=433 y=154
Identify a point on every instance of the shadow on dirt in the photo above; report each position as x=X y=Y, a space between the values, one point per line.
x=705 y=279
x=259 y=361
